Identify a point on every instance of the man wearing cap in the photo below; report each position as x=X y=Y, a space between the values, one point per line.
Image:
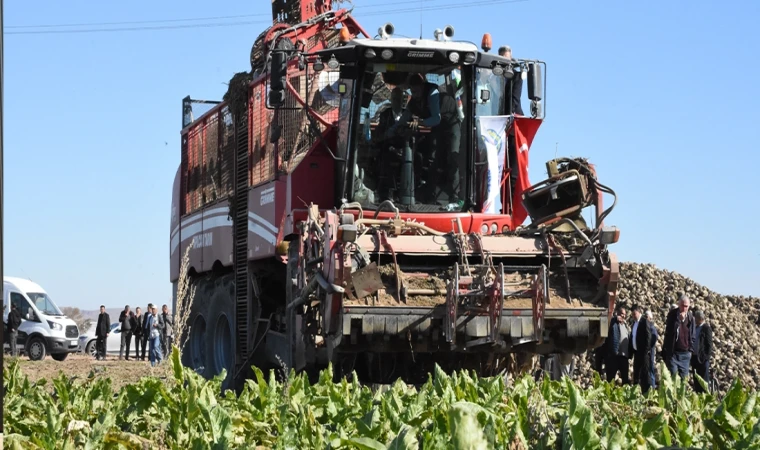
x=678 y=345
x=428 y=107
x=703 y=349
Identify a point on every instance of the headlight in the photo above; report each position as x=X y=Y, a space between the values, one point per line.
x=369 y=53
x=386 y=54
x=469 y=58
x=454 y=57
x=55 y=326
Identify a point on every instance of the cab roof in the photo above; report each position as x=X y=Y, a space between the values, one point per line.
x=412 y=51
x=23 y=284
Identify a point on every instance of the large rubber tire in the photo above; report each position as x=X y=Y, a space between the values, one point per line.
x=60 y=356
x=91 y=350
x=194 y=349
x=221 y=342
x=36 y=349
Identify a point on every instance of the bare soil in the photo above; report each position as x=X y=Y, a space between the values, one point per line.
x=79 y=366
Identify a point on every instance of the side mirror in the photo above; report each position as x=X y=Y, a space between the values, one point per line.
x=485 y=95
x=277 y=78
x=535 y=82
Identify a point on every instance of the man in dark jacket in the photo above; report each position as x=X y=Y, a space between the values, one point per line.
x=14 y=321
x=678 y=345
x=437 y=110
x=167 y=335
x=128 y=325
x=138 y=333
x=703 y=350
x=655 y=335
x=616 y=359
x=102 y=331
x=145 y=330
x=641 y=347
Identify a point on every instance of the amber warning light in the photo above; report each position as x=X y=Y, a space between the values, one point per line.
x=344 y=35
x=486 y=42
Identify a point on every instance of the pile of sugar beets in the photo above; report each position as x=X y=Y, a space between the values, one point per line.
x=735 y=321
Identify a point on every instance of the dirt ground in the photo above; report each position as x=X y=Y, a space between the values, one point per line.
x=80 y=366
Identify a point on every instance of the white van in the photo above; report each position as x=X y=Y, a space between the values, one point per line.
x=44 y=329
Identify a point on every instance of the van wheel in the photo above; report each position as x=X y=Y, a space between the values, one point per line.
x=36 y=349
x=60 y=356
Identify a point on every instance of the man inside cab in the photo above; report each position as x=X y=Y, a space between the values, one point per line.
x=436 y=110
x=390 y=144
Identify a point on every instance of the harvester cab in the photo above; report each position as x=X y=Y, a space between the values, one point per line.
x=411 y=113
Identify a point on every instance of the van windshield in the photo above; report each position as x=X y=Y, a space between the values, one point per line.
x=44 y=304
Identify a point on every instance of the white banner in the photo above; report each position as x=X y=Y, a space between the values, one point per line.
x=493 y=139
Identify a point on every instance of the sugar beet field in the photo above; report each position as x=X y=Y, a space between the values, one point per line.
x=171 y=407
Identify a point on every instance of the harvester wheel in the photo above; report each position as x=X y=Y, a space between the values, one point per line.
x=194 y=348
x=220 y=342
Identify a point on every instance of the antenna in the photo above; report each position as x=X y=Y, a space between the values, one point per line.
x=556 y=149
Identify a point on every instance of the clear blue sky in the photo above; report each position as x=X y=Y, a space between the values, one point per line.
x=661 y=96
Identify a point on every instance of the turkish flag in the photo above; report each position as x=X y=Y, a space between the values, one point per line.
x=525 y=129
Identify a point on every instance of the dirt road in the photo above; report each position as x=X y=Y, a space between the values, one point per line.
x=80 y=366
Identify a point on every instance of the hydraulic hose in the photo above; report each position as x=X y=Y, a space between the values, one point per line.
x=406 y=224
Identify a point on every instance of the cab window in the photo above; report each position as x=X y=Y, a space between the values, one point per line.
x=22 y=305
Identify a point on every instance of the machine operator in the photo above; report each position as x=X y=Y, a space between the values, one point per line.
x=437 y=110
x=389 y=142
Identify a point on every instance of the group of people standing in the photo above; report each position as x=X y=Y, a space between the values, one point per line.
x=153 y=330
x=687 y=344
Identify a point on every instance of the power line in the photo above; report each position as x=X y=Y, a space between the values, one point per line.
x=159 y=27
x=137 y=22
x=24 y=29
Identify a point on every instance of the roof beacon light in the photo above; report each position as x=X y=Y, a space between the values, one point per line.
x=344 y=35
x=485 y=44
x=386 y=31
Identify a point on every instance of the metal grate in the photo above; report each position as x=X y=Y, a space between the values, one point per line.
x=208 y=160
x=240 y=225
x=320 y=92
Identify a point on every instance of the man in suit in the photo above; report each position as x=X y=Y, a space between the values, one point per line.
x=102 y=331
x=641 y=346
x=618 y=348
x=703 y=350
x=145 y=330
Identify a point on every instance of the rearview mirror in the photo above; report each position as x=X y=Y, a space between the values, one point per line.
x=535 y=82
x=277 y=80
